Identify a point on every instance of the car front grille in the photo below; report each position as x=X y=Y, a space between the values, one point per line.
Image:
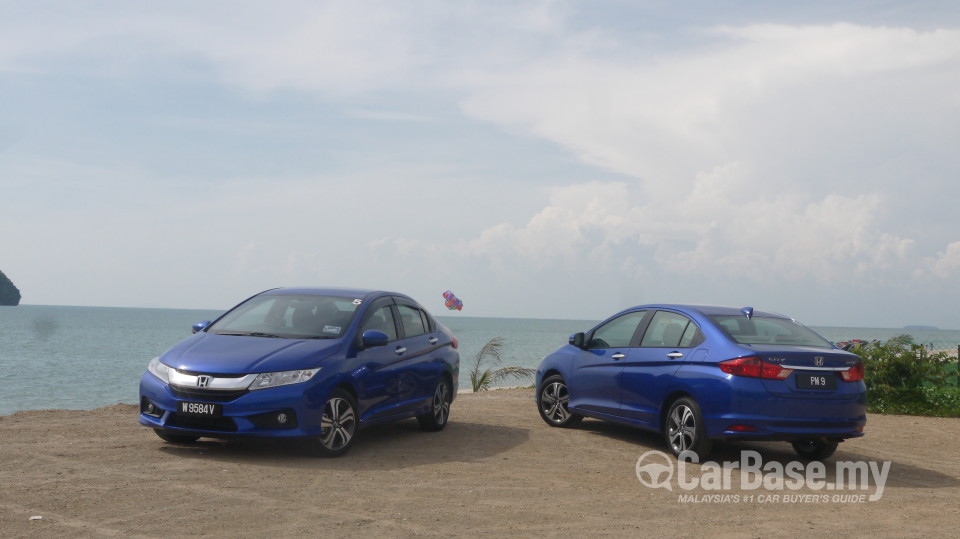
x=208 y=395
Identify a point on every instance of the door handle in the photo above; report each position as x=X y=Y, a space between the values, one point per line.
x=434 y=340
x=400 y=350
x=618 y=355
x=674 y=355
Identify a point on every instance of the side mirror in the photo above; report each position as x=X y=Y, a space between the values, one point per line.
x=577 y=339
x=372 y=338
x=200 y=326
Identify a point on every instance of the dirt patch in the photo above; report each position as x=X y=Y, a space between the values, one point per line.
x=496 y=470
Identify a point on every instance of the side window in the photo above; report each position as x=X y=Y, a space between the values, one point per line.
x=667 y=330
x=618 y=332
x=412 y=321
x=381 y=319
x=689 y=336
x=426 y=321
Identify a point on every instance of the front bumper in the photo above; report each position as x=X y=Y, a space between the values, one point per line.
x=292 y=411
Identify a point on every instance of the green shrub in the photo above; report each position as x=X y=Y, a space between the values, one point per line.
x=903 y=377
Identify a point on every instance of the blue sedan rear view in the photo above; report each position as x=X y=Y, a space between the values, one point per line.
x=699 y=374
x=304 y=363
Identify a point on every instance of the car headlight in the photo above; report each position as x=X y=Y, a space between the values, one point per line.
x=159 y=370
x=285 y=378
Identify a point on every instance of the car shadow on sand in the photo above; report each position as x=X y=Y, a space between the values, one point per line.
x=389 y=446
x=901 y=474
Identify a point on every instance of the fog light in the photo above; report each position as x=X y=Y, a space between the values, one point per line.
x=150 y=408
x=281 y=418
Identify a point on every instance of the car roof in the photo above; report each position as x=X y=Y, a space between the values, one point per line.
x=710 y=310
x=333 y=291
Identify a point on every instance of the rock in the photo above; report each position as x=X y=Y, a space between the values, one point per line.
x=9 y=294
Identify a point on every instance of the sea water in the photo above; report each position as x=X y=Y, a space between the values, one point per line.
x=82 y=358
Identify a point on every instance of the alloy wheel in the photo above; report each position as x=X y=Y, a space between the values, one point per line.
x=441 y=404
x=682 y=429
x=553 y=401
x=337 y=424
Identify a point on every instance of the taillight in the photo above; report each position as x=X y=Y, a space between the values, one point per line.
x=853 y=374
x=754 y=367
x=456 y=343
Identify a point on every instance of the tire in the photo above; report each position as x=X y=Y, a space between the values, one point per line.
x=338 y=425
x=553 y=400
x=439 y=413
x=175 y=438
x=684 y=429
x=815 y=448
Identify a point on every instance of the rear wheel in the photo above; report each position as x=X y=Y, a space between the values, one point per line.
x=815 y=448
x=175 y=438
x=553 y=401
x=685 y=430
x=338 y=426
x=439 y=413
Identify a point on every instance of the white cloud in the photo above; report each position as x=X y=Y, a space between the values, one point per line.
x=665 y=119
x=797 y=157
x=945 y=265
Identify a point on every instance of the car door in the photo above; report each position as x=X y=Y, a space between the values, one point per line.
x=594 y=384
x=648 y=371
x=377 y=378
x=420 y=368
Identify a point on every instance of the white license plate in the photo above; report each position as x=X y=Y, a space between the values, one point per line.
x=817 y=381
x=205 y=409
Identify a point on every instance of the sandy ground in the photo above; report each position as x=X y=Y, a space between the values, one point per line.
x=497 y=470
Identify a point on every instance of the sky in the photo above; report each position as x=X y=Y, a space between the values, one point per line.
x=542 y=159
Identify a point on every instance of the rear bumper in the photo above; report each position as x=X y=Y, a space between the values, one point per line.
x=750 y=412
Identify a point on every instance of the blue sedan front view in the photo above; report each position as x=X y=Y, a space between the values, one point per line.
x=304 y=363
x=699 y=374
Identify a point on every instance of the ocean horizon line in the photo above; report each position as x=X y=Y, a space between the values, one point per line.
x=905 y=327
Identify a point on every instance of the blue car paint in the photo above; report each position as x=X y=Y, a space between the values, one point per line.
x=388 y=385
x=637 y=389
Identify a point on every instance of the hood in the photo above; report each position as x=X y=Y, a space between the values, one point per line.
x=229 y=354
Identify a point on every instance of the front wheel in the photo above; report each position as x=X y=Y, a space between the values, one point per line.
x=553 y=401
x=815 y=448
x=439 y=413
x=685 y=430
x=338 y=425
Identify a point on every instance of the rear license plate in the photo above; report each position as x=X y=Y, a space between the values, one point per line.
x=817 y=381
x=202 y=409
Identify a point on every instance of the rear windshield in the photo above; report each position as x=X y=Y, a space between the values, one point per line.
x=292 y=316
x=763 y=330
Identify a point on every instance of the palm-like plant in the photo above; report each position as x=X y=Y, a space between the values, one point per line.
x=482 y=380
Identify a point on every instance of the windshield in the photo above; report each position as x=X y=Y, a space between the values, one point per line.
x=763 y=330
x=289 y=316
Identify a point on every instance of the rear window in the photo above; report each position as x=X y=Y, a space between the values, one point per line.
x=764 y=330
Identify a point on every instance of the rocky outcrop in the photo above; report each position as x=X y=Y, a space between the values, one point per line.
x=9 y=294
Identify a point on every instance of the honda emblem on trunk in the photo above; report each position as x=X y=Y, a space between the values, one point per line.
x=204 y=380
x=818 y=361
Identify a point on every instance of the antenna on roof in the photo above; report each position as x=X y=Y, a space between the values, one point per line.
x=748 y=312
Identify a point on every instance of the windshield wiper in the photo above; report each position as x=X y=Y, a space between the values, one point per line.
x=249 y=334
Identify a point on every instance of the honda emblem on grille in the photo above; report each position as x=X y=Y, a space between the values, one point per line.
x=818 y=361
x=204 y=380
